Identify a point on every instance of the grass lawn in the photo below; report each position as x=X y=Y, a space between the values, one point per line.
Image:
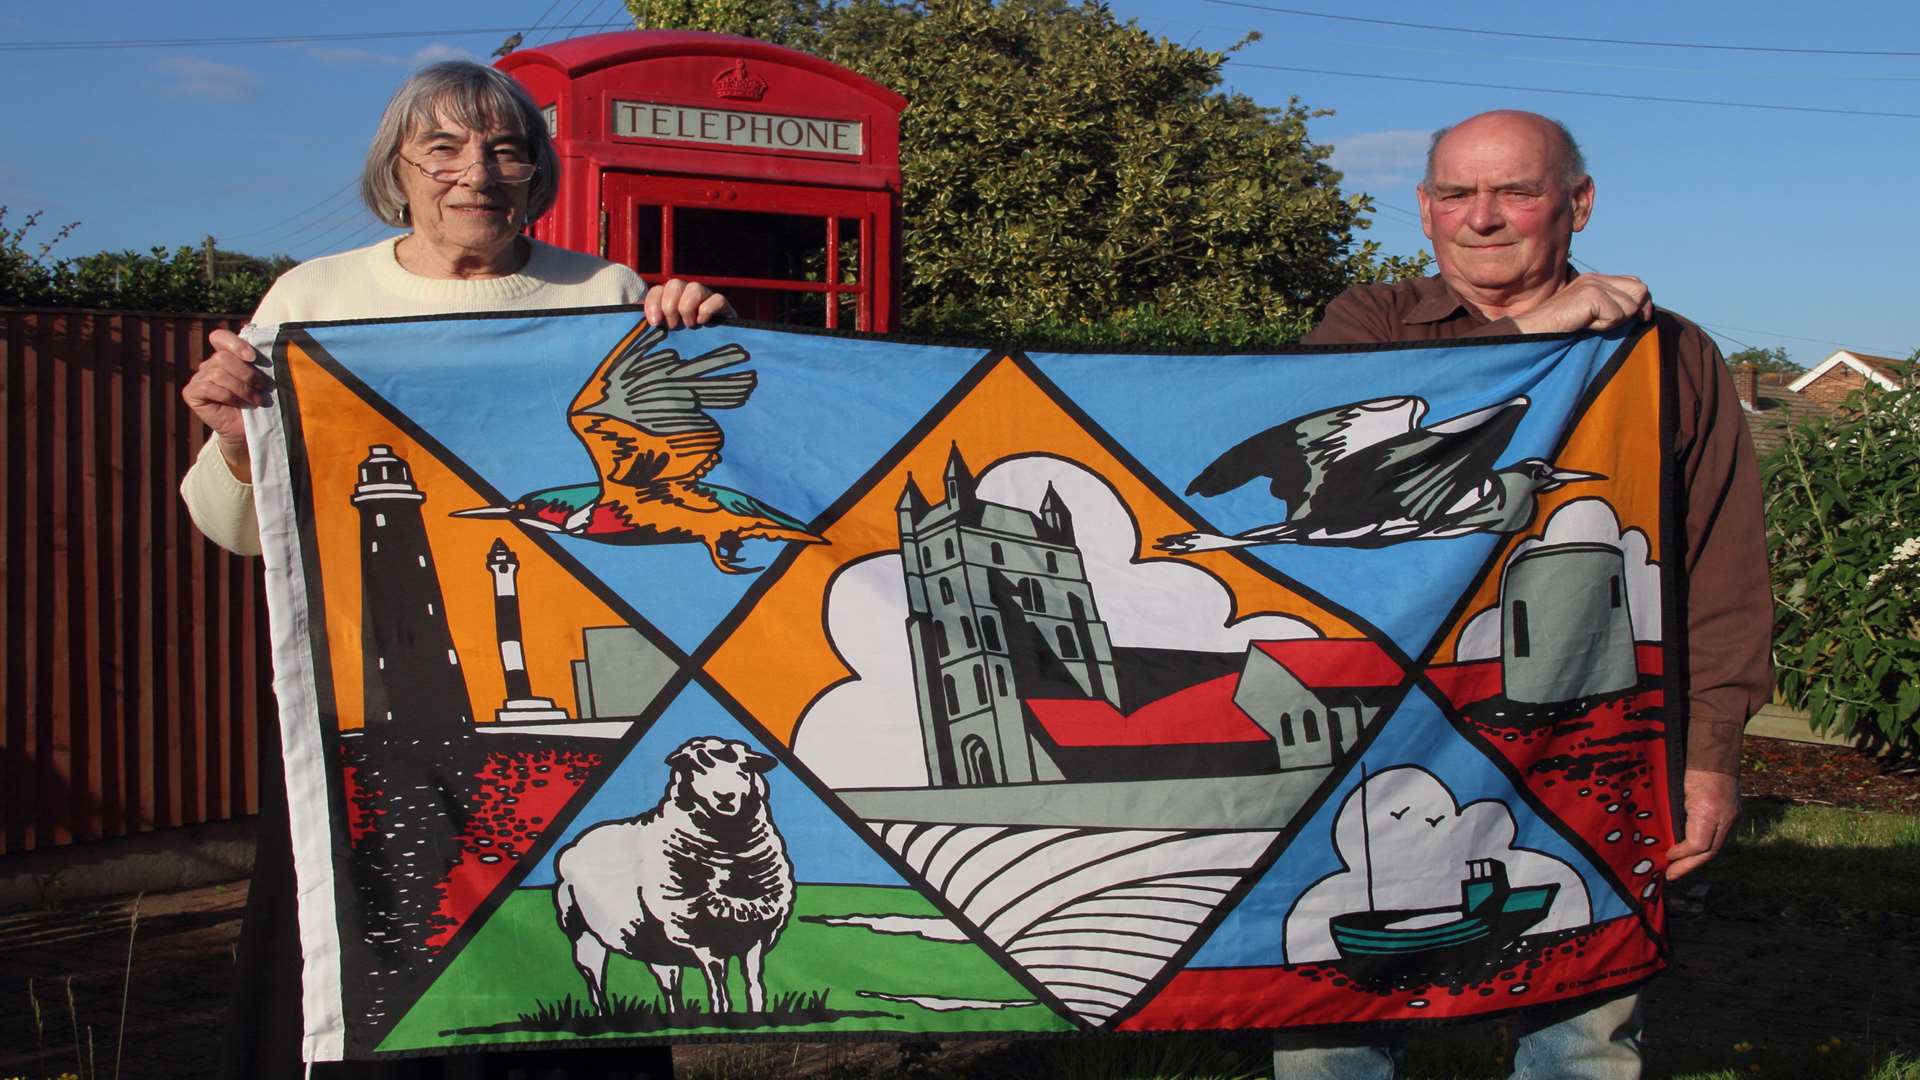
x=1819 y=862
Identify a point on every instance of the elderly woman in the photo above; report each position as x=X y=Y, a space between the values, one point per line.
x=462 y=161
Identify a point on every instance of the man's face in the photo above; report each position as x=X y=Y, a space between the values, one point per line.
x=475 y=213
x=1500 y=218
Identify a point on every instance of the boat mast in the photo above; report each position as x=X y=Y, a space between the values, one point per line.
x=1366 y=833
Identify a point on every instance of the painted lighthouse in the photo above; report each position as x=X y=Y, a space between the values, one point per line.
x=403 y=621
x=521 y=705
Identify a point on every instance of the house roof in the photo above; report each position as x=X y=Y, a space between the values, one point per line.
x=1201 y=714
x=1884 y=371
x=1779 y=410
x=1334 y=663
x=1205 y=713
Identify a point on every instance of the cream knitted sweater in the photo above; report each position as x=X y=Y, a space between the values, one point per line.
x=369 y=283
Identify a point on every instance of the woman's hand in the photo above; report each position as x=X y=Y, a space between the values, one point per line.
x=224 y=384
x=681 y=303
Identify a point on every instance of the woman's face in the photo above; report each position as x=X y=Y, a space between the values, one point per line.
x=475 y=215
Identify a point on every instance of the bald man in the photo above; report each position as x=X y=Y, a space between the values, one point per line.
x=1503 y=194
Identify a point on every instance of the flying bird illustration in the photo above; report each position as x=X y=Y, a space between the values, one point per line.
x=1368 y=475
x=642 y=415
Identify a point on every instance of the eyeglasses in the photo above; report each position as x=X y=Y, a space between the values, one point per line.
x=507 y=172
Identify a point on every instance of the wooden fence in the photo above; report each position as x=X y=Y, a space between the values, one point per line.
x=136 y=664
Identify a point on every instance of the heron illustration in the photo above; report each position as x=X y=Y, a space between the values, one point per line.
x=1368 y=475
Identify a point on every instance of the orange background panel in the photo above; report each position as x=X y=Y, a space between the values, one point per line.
x=1005 y=414
x=1619 y=437
x=554 y=607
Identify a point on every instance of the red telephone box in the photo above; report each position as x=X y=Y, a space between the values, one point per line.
x=764 y=172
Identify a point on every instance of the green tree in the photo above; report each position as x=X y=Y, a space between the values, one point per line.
x=1765 y=360
x=1072 y=177
x=1843 y=533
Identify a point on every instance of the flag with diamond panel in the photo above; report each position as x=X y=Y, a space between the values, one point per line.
x=749 y=683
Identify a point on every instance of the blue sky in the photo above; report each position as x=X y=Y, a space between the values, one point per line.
x=1771 y=227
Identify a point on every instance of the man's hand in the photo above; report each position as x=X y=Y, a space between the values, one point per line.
x=1589 y=302
x=224 y=384
x=685 y=303
x=1713 y=802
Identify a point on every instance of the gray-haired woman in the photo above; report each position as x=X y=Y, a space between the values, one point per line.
x=463 y=162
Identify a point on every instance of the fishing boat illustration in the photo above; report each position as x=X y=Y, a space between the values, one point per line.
x=1391 y=946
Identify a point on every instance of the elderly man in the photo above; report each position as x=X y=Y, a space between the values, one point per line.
x=1503 y=195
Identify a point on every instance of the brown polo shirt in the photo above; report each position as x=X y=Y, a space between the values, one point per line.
x=1729 y=599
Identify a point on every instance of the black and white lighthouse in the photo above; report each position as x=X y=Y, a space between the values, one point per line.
x=414 y=685
x=521 y=706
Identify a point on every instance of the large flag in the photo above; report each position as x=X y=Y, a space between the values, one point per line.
x=740 y=682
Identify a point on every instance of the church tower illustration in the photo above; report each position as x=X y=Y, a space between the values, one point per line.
x=414 y=685
x=520 y=705
x=989 y=589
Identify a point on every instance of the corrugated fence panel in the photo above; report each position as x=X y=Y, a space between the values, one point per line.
x=135 y=656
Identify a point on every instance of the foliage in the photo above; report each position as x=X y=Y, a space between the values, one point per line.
x=1073 y=177
x=159 y=280
x=1843 y=526
x=1765 y=360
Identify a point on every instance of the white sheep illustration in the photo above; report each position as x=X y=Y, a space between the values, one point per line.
x=697 y=880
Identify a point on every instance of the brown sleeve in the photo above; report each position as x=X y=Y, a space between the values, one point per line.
x=1730 y=598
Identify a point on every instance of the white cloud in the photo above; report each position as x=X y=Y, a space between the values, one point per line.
x=866 y=732
x=1420 y=841
x=1589 y=521
x=419 y=58
x=438 y=51
x=190 y=76
x=1381 y=158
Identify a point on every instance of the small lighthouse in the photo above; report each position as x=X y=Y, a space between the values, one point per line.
x=521 y=706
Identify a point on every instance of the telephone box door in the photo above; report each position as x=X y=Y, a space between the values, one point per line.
x=782 y=253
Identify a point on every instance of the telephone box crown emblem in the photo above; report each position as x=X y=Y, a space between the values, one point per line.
x=738 y=82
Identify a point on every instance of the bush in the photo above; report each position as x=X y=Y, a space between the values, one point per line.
x=160 y=280
x=1843 y=526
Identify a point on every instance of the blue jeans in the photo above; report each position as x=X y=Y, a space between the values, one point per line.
x=1598 y=1042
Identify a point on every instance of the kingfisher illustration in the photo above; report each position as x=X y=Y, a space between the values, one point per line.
x=642 y=416
x=1368 y=475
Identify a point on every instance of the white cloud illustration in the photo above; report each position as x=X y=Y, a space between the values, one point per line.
x=866 y=732
x=1420 y=841
x=1588 y=521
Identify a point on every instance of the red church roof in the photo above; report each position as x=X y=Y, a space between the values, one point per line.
x=1199 y=714
x=1334 y=663
x=1205 y=714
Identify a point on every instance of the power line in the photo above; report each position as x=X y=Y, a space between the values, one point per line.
x=1561 y=37
x=557 y=24
x=267 y=39
x=278 y=227
x=587 y=21
x=1584 y=93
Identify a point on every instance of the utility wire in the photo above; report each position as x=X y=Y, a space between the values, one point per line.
x=266 y=39
x=1560 y=37
x=558 y=23
x=280 y=226
x=576 y=29
x=1582 y=93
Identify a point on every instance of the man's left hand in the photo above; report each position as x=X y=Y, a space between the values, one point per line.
x=1713 y=802
x=679 y=303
